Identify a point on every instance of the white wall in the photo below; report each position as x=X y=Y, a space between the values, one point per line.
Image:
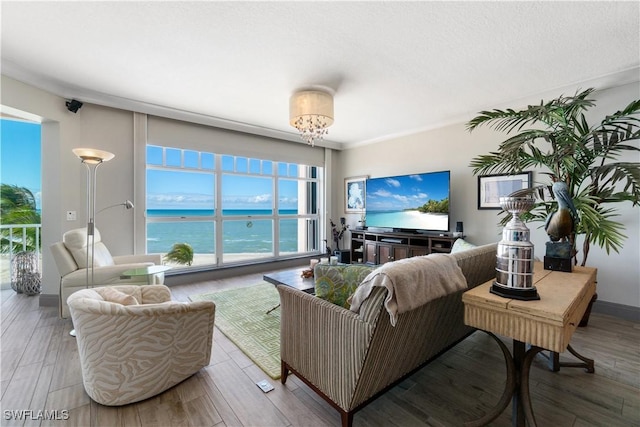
x=453 y=147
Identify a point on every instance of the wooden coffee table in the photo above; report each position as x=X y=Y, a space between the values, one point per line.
x=292 y=278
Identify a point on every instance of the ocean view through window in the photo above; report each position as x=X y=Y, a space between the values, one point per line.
x=230 y=209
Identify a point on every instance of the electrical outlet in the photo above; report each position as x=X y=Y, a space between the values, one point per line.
x=71 y=215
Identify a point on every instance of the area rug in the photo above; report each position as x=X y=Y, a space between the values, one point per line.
x=241 y=314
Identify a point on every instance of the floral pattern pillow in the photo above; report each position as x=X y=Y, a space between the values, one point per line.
x=336 y=283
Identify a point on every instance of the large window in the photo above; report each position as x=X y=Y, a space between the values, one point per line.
x=230 y=209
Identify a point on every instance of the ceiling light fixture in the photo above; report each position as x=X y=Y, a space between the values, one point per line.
x=311 y=112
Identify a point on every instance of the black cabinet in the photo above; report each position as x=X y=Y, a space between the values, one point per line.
x=380 y=247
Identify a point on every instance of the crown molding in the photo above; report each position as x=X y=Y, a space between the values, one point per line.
x=608 y=81
x=59 y=88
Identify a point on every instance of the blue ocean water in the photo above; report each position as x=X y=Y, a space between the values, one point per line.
x=245 y=235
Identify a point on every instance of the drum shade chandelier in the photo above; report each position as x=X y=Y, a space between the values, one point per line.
x=311 y=112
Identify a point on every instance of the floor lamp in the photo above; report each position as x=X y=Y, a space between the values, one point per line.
x=91 y=158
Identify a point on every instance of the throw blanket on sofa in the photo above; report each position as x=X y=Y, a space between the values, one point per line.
x=412 y=282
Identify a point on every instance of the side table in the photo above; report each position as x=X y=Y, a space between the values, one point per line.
x=545 y=324
x=150 y=271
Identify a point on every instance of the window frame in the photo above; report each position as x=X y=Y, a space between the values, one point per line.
x=303 y=177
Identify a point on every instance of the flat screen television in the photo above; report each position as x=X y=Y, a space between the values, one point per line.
x=417 y=202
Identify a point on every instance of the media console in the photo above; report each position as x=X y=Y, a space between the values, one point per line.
x=373 y=247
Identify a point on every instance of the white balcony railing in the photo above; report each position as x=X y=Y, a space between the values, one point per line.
x=17 y=236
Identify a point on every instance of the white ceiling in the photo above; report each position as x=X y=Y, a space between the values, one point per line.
x=396 y=67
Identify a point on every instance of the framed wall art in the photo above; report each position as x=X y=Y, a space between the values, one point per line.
x=492 y=187
x=354 y=194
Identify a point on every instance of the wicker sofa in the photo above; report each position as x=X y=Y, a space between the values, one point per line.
x=350 y=358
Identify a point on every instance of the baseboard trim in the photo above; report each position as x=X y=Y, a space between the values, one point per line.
x=626 y=312
x=49 y=300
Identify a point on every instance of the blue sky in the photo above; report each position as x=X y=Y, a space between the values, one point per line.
x=20 y=158
x=407 y=191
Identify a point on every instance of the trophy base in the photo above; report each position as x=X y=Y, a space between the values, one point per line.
x=558 y=264
x=529 y=294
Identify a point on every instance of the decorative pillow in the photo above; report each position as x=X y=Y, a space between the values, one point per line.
x=336 y=283
x=461 y=245
x=113 y=295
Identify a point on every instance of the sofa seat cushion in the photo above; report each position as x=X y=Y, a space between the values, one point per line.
x=336 y=283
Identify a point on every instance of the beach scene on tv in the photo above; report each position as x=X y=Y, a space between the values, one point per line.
x=411 y=202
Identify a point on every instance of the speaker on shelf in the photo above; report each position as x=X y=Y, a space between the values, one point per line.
x=459 y=229
x=344 y=256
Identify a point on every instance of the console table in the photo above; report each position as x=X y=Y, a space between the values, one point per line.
x=546 y=324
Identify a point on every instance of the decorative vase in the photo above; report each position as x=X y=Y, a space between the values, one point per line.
x=514 y=261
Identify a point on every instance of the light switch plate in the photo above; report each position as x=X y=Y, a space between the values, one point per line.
x=71 y=215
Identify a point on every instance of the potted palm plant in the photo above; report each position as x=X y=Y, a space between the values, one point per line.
x=556 y=138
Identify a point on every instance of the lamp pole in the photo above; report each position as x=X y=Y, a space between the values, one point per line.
x=91 y=158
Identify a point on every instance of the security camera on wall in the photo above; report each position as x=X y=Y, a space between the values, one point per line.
x=74 y=105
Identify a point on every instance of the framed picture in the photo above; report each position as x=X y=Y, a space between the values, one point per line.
x=355 y=189
x=492 y=187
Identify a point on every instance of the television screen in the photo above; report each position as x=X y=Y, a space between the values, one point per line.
x=409 y=202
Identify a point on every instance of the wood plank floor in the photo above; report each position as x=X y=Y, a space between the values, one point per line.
x=40 y=371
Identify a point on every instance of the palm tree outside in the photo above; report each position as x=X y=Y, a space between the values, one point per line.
x=18 y=206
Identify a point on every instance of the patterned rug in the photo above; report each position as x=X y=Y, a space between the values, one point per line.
x=241 y=316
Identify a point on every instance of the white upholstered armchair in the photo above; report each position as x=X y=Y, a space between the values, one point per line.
x=134 y=342
x=70 y=256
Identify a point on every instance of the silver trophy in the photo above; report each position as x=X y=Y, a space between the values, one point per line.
x=514 y=263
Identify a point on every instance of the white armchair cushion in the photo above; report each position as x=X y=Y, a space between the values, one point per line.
x=76 y=243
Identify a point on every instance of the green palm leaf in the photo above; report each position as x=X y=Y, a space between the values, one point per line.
x=556 y=138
